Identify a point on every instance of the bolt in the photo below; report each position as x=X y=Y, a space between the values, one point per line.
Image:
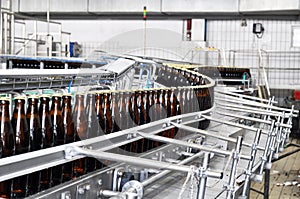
x=68 y=196
x=81 y=190
x=87 y=187
x=100 y=182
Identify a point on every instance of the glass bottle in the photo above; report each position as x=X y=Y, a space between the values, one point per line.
x=93 y=130
x=58 y=133
x=184 y=106
x=48 y=141
x=99 y=103
x=123 y=115
x=164 y=110
x=147 y=105
x=135 y=146
x=80 y=123
x=204 y=99
x=22 y=136
x=115 y=112
x=173 y=110
x=122 y=111
x=143 y=116
x=93 y=127
x=68 y=128
x=107 y=113
x=129 y=110
x=7 y=143
x=140 y=95
x=36 y=140
x=157 y=111
x=149 y=101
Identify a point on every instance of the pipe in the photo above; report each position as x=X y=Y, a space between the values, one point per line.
x=211 y=134
x=74 y=151
x=233 y=124
x=156 y=177
x=254 y=110
x=248 y=172
x=184 y=143
x=252 y=119
x=235 y=159
x=251 y=103
x=203 y=177
x=244 y=96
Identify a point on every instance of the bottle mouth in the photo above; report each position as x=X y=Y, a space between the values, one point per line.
x=45 y=96
x=20 y=97
x=4 y=99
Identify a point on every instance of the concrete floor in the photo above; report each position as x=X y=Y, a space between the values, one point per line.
x=284 y=172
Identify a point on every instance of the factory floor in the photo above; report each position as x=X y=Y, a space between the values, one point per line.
x=284 y=176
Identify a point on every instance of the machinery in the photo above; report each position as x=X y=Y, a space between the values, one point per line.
x=206 y=141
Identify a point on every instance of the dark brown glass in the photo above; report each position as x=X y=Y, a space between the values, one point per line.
x=99 y=105
x=58 y=133
x=149 y=101
x=80 y=123
x=69 y=131
x=123 y=115
x=143 y=116
x=122 y=111
x=48 y=141
x=129 y=110
x=7 y=143
x=129 y=100
x=140 y=95
x=93 y=130
x=115 y=114
x=36 y=141
x=135 y=116
x=22 y=136
x=204 y=102
x=173 y=110
x=107 y=113
x=164 y=110
x=157 y=110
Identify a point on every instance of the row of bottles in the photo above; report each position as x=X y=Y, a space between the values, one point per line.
x=93 y=114
x=200 y=97
x=38 y=128
x=120 y=110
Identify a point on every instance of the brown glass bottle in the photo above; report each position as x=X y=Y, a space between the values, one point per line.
x=147 y=105
x=157 y=111
x=58 y=133
x=7 y=143
x=93 y=130
x=204 y=100
x=129 y=100
x=140 y=95
x=182 y=100
x=36 y=140
x=80 y=123
x=123 y=115
x=99 y=103
x=69 y=131
x=48 y=141
x=93 y=127
x=107 y=113
x=164 y=98
x=22 y=136
x=143 y=115
x=115 y=112
x=122 y=111
x=173 y=111
x=135 y=116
